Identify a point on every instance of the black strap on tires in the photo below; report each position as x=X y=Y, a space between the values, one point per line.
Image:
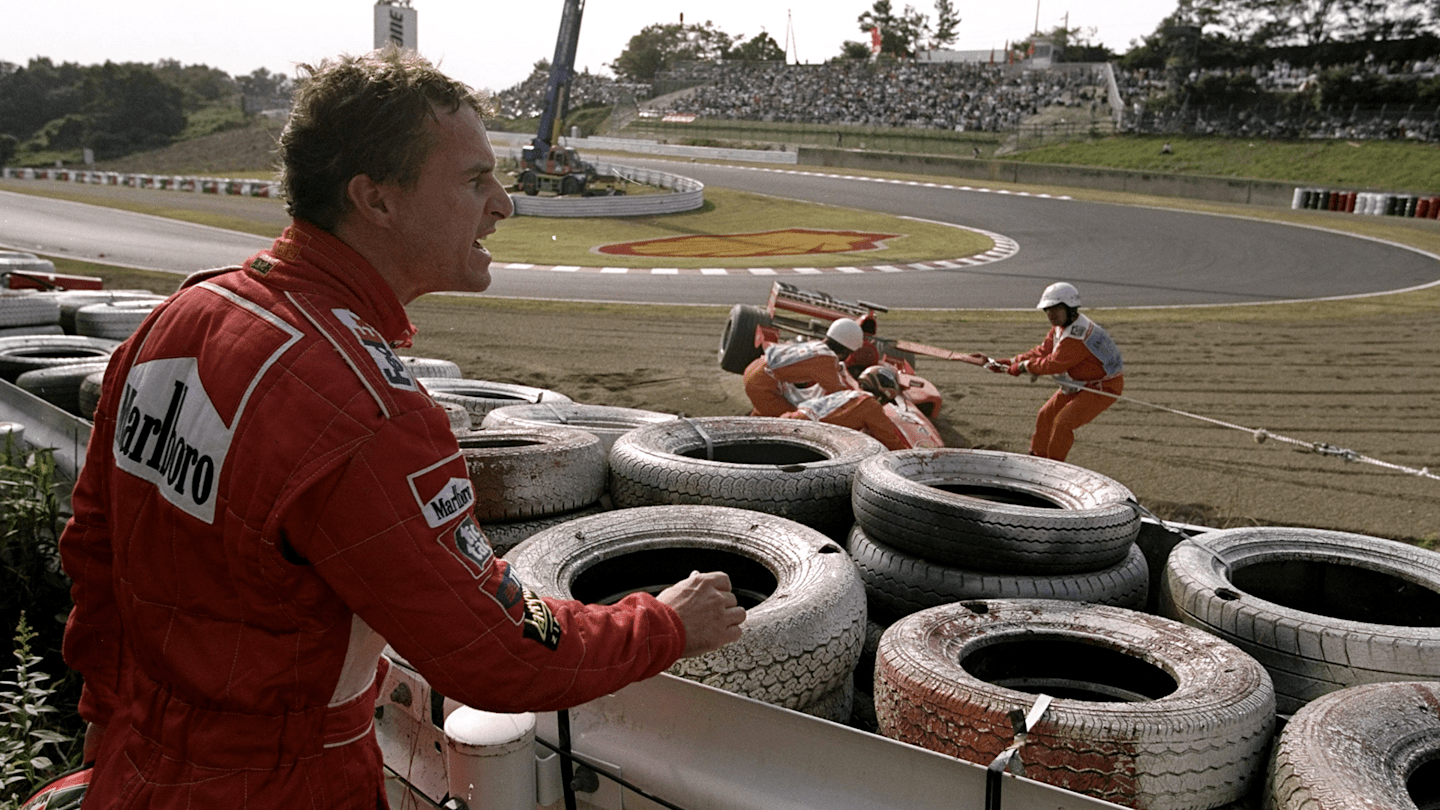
x=1009 y=759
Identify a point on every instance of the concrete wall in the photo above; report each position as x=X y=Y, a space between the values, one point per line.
x=1220 y=189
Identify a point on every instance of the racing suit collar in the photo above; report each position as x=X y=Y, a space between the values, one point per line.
x=292 y=261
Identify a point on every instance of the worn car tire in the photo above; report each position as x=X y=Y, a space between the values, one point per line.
x=532 y=472
x=805 y=605
x=431 y=367
x=606 y=421
x=28 y=353
x=994 y=511
x=60 y=385
x=737 y=341
x=480 y=397
x=115 y=320
x=89 y=394
x=1375 y=745
x=1147 y=712
x=900 y=584
x=28 y=309
x=507 y=534
x=793 y=468
x=459 y=417
x=72 y=300
x=1321 y=610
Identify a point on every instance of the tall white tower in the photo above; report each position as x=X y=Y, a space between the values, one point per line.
x=395 y=24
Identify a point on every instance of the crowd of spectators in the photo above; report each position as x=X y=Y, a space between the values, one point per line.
x=962 y=96
x=936 y=95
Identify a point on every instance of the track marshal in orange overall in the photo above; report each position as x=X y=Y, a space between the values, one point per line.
x=1082 y=357
x=812 y=362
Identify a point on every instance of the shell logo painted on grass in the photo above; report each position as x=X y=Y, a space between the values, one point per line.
x=787 y=242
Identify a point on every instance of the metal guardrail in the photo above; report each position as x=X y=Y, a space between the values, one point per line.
x=47 y=426
x=688 y=195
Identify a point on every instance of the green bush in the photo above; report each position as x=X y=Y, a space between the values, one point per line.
x=35 y=746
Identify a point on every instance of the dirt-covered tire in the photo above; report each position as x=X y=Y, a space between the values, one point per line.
x=459 y=417
x=606 y=421
x=993 y=511
x=1369 y=746
x=431 y=367
x=507 y=534
x=60 y=385
x=737 y=341
x=532 y=472
x=480 y=397
x=28 y=353
x=27 y=308
x=116 y=319
x=900 y=584
x=90 y=389
x=793 y=468
x=805 y=605
x=1322 y=610
x=1147 y=712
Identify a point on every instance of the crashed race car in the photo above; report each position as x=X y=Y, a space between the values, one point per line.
x=796 y=314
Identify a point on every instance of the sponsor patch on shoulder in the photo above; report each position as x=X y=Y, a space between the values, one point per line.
x=389 y=365
x=442 y=490
x=467 y=542
x=261 y=265
x=1077 y=331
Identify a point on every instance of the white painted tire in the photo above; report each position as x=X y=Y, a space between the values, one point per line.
x=28 y=353
x=431 y=367
x=1370 y=746
x=605 y=421
x=115 y=320
x=1322 y=610
x=793 y=468
x=480 y=397
x=1147 y=712
x=805 y=605
x=525 y=473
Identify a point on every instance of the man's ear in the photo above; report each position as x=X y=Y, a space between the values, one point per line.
x=369 y=200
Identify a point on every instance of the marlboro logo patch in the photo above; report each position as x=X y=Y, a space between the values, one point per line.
x=169 y=433
x=788 y=242
x=442 y=490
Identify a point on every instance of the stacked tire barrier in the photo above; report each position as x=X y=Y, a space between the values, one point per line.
x=1368 y=203
x=197 y=185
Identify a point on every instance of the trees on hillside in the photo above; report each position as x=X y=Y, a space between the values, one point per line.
x=114 y=108
x=659 y=46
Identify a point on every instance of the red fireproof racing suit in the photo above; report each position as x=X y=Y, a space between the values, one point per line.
x=857 y=410
x=268 y=497
x=795 y=364
x=1081 y=356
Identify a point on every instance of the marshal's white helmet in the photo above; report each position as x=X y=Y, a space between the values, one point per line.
x=847 y=333
x=1059 y=293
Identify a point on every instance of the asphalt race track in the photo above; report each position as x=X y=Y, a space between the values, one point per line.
x=1117 y=255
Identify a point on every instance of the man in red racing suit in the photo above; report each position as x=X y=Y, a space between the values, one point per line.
x=269 y=497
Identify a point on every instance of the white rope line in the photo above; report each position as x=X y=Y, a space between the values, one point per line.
x=1261 y=435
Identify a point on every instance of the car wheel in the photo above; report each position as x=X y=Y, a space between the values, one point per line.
x=900 y=584
x=805 y=605
x=793 y=468
x=994 y=511
x=737 y=342
x=1146 y=712
x=1375 y=745
x=1322 y=610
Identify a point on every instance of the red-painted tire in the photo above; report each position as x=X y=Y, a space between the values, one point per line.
x=1148 y=713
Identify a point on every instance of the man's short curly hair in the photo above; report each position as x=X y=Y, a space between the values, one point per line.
x=362 y=115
